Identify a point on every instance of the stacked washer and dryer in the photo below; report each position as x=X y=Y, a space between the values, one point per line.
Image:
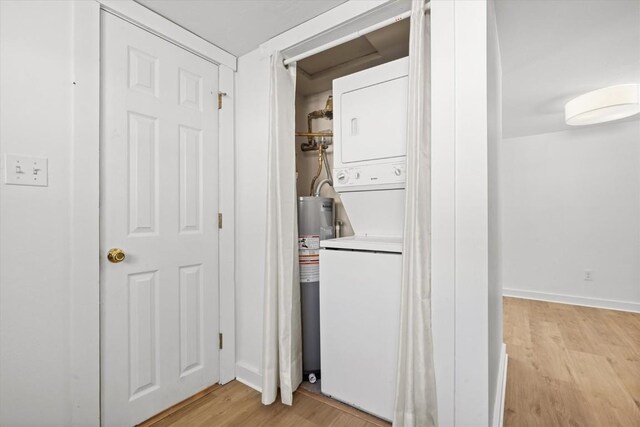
x=360 y=275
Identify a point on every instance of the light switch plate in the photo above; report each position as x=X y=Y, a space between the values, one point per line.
x=25 y=170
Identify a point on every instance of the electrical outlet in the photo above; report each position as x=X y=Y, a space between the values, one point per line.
x=588 y=276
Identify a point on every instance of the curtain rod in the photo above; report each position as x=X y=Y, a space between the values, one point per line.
x=353 y=36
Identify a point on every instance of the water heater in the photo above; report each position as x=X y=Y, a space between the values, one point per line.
x=315 y=223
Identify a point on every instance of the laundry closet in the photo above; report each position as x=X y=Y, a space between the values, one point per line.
x=351 y=120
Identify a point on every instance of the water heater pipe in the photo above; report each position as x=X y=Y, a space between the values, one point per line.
x=320 y=163
x=319 y=186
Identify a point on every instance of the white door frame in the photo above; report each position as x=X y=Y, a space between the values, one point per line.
x=343 y=23
x=85 y=164
x=458 y=199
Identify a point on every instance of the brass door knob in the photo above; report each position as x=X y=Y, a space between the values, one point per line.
x=115 y=255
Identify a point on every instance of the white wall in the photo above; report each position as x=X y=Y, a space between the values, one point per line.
x=570 y=202
x=49 y=368
x=471 y=214
x=494 y=102
x=443 y=150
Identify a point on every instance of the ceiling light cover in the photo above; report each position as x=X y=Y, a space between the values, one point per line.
x=603 y=105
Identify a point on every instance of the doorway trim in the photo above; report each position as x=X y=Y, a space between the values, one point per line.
x=342 y=23
x=84 y=252
x=170 y=31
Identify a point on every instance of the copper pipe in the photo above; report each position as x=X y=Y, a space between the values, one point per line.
x=318 y=134
x=305 y=146
x=309 y=147
x=327 y=112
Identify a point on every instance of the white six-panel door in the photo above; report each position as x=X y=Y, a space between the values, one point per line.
x=159 y=204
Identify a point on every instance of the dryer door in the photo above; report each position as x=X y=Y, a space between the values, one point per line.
x=374 y=121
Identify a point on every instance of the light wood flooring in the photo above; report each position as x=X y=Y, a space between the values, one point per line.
x=235 y=404
x=571 y=366
x=568 y=366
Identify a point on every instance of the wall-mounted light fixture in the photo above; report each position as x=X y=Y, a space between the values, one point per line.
x=603 y=105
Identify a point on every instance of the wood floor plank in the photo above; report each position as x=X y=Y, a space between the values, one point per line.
x=571 y=366
x=532 y=403
x=548 y=353
x=626 y=326
x=235 y=404
x=626 y=364
x=611 y=403
x=369 y=419
x=516 y=324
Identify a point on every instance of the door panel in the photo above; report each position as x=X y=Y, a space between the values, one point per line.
x=190 y=319
x=159 y=203
x=190 y=180
x=143 y=346
x=143 y=185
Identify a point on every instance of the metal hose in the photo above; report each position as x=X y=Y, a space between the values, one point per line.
x=327 y=180
x=320 y=162
x=319 y=186
x=328 y=169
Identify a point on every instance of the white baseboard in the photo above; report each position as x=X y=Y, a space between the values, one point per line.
x=633 y=307
x=248 y=375
x=498 y=406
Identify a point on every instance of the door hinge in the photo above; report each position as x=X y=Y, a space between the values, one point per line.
x=219 y=220
x=220 y=341
x=220 y=95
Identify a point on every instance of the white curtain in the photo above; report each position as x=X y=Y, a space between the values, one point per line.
x=282 y=332
x=415 y=403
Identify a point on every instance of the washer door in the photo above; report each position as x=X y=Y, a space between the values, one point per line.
x=359 y=327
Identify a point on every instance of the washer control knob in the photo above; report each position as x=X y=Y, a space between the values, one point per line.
x=342 y=177
x=397 y=171
x=356 y=175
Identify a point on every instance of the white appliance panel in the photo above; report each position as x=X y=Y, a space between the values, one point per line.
x=375 y=213
x=359 y=325
x=370 y=177
x=374 y=121
x=370 y=128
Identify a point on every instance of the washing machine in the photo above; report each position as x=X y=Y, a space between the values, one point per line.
x=360 y=275
x=360 y=320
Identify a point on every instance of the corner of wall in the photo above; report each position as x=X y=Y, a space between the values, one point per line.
x=248 y=375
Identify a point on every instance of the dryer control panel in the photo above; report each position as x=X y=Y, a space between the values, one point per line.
x=370 y=128
x=370 y=177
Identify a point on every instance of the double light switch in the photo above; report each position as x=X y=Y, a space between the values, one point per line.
x=23 y=170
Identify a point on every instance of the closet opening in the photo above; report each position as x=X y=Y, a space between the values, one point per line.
x=354 y=94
